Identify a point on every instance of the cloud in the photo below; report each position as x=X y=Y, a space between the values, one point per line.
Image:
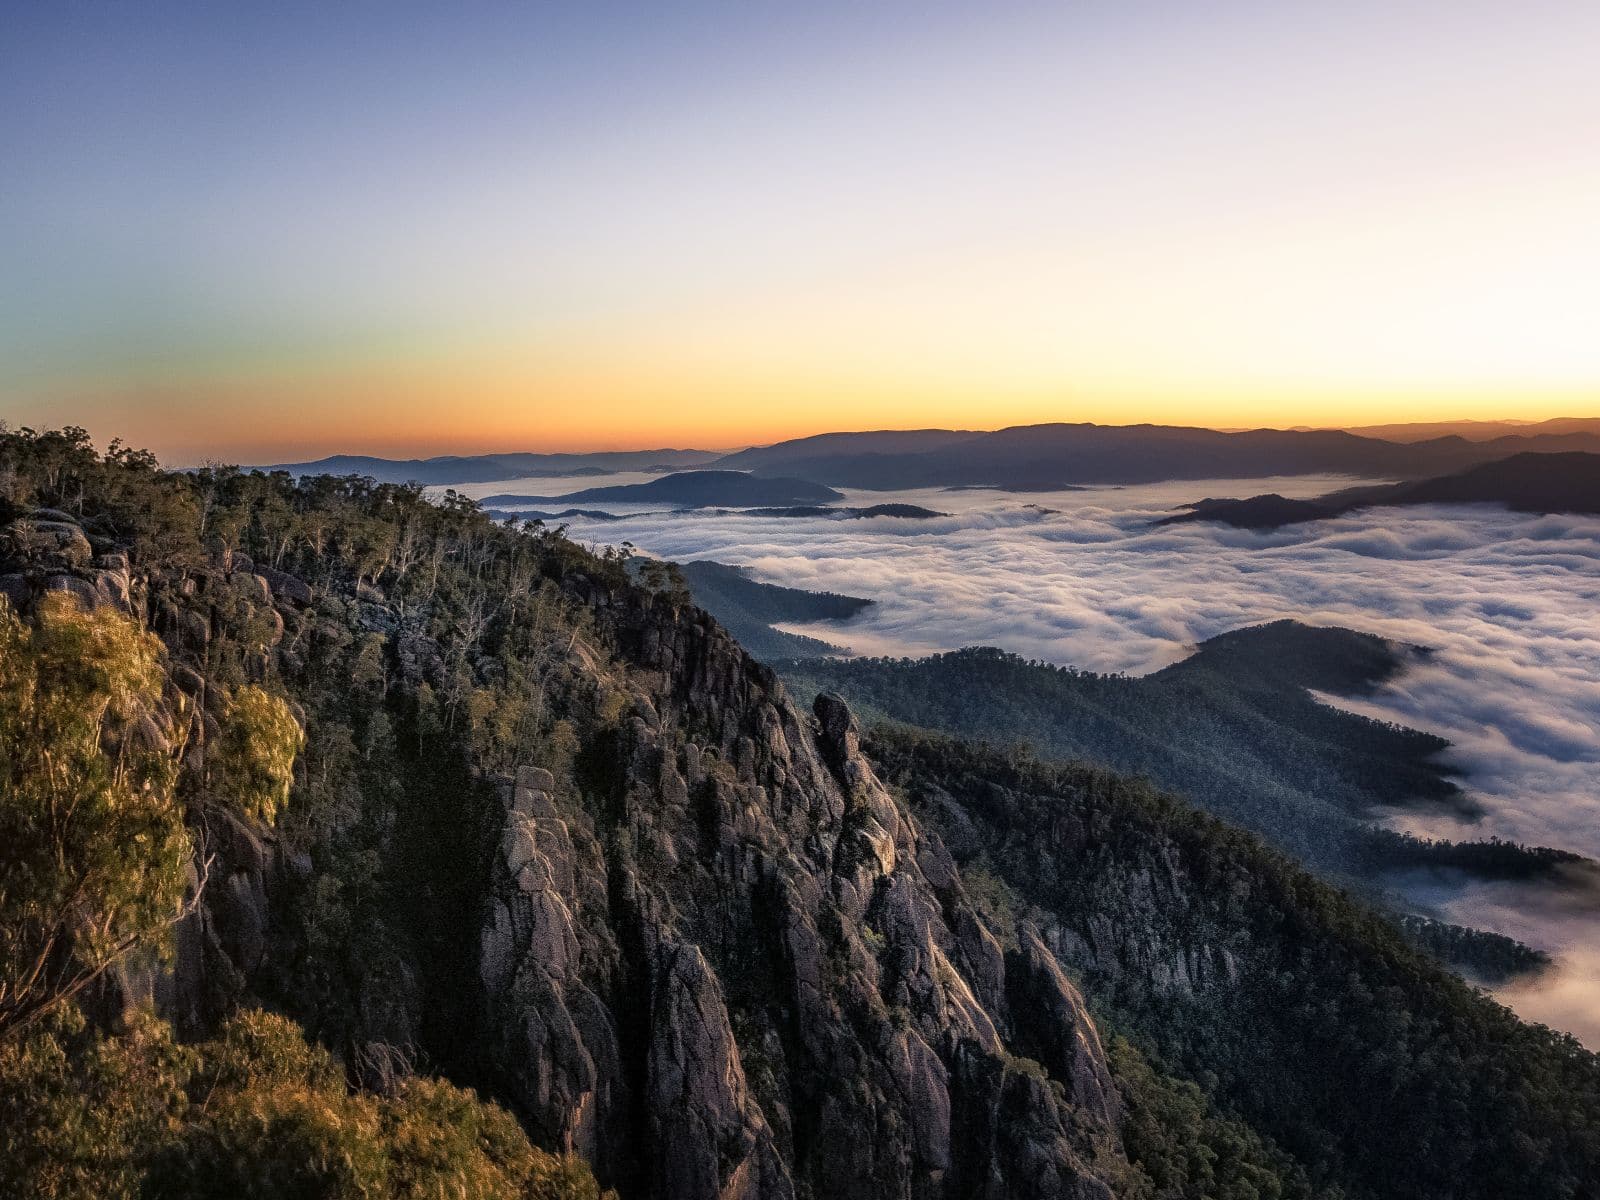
x=1510 y=602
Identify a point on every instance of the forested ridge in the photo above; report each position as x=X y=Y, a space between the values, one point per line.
x=366 y=846
x=1235 y=727
x=1297 y=1008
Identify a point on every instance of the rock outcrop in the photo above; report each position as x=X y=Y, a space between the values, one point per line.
x=715 y=956
x=749 y=914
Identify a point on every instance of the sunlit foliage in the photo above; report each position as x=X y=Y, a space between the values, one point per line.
x=252 y=762
x=256 y=1113
x=93 y=834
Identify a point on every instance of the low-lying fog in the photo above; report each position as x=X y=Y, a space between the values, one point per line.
x=1511 y=602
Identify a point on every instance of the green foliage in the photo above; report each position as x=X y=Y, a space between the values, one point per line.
x=1183 y=1150
x=78 y=1112
x=92 y=830
x=1235 y=728
x=252 y=762
x=255 y=1114
x=1300 y=1011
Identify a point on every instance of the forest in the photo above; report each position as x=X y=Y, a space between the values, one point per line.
x=1235 y=728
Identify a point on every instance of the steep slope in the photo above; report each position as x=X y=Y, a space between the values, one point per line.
x=560 y=837
x=557 y=836
x=1234 y=727
x=1300 y=1011
x=748 y=609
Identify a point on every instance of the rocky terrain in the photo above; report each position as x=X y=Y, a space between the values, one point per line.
x=726 y=963
x=552 y=834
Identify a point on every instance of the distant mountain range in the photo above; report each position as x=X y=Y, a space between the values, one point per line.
x=1538 y=483
x=487 y=468
x=1035 y=457
x=1475 y=431
x=690 y=489
x=1030 y=457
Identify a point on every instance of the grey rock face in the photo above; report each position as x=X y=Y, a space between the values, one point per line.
x=719 y=959
x=1055 y=1026
x=711 y=1137
x=754 y=918
x=285 y=586
x=51 y=542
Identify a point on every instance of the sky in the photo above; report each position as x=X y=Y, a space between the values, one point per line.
x=272 y=231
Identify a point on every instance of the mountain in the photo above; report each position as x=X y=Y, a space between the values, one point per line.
x=748 y=609
x=1043 y=457
x=486 y=468
x=473 y=827
x=1476 y=431
x=822 y=446
x=690 y=489
x=1029 y=457
x=550 y=834
x=1235 y=728
x=1537 y=483
x=1308 y=1018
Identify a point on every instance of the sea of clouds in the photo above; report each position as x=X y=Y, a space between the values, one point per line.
x=1510 y=603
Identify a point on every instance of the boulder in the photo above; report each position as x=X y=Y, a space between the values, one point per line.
x=285 y=586
x=53 y=543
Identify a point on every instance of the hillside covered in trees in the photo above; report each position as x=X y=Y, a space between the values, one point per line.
x=364 y=846
x=1235 y=728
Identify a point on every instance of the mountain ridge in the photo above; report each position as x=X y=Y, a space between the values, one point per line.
x=1544 y=483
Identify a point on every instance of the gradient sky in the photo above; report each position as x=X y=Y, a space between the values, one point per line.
x=262 y=231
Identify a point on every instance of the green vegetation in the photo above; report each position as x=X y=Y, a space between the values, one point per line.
x=1184 y=1150
x=254 y=1113
x=357 y=729
x=93 y=834
x=1235 y=728
x=253 y=759
x=317 y=679
x=1296 y=1009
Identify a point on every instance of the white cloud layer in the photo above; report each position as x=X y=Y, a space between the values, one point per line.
x=1511 y=602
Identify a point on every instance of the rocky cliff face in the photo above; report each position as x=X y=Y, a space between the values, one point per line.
x=718 y=958
x=754 y=975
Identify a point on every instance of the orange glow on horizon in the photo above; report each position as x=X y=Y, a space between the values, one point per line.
x=419 y=414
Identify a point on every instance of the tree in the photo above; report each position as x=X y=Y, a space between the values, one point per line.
x=95 y=843
x=252 y=762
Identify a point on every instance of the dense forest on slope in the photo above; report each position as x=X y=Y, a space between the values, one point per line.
x=544 y=832
x=391 y=801
x=1234 y=727
x=1301 y=1011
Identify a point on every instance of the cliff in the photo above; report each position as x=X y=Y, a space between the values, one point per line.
x=709 y=951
